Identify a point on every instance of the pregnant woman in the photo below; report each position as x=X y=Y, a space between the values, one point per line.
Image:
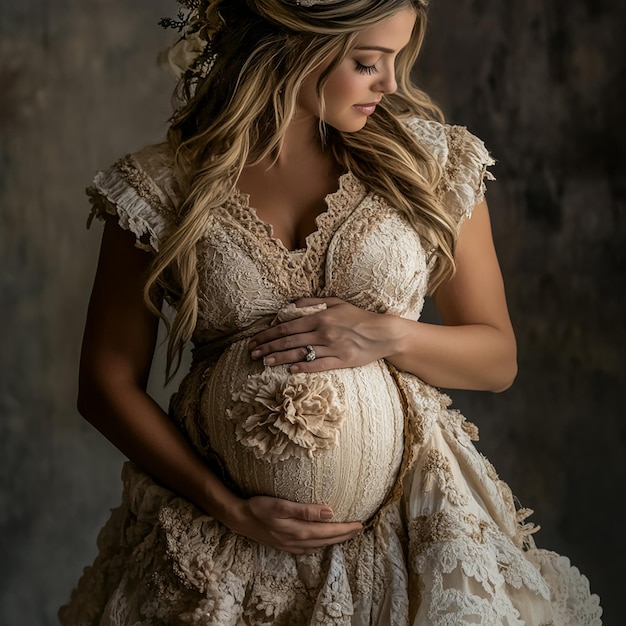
x=306 y=201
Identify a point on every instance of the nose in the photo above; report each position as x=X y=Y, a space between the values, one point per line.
x=388 y=83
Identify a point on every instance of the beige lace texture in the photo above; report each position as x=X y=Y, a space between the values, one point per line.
x=281 y=415
x=448 y=548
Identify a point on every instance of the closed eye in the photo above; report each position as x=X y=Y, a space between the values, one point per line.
x=365 y=69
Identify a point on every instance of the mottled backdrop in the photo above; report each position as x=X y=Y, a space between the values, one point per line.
x=541 y=82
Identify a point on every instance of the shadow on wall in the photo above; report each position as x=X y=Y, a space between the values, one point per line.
x=544 y=86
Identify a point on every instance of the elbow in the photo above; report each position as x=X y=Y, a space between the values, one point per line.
x=103 y=390
x=506 y=374
x=505 y=379
x=88 y=399
x=96 y=392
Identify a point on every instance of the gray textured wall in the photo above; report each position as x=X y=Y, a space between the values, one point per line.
x=542 y=83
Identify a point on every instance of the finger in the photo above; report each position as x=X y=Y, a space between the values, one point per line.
x=286 y=329
x=298 y=355
x=306 y=512
x=332 y=301
x=322 y=542
x=318 y=533
x=312 y=513
x=319 y=365
x=295 y=344
x=319 y=543
x=316 y=547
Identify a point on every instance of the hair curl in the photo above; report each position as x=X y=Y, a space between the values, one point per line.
x=239 y=113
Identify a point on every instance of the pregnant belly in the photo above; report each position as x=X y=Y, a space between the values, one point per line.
x=332 y=438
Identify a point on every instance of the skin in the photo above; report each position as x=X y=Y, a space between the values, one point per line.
x=474 y=349
x=289 y=192
x=363 y=77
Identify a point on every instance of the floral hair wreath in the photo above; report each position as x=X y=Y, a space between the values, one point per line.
x=198 y=20
x=193 y=55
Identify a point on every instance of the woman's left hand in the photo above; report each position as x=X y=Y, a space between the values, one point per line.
x=342 y=335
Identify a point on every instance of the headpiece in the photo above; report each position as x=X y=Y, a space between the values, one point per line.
x=192 y=56
x=197 y=21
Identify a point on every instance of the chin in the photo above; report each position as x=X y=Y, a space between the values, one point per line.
x=351 y=126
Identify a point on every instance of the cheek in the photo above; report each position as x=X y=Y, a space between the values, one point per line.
x=343 y=89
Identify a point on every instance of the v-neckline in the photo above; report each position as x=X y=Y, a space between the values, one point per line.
x=296 y=273
x=322 y=220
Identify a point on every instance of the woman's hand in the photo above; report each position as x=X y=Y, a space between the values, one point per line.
x=289 y=526
x=342 y=335
x=474 y=347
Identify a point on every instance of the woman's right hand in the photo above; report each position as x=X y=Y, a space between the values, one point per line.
x=289 y=526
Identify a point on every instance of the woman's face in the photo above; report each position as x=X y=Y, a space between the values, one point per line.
x=363 y=77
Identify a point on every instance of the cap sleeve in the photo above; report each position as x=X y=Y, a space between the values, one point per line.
x=465 y=171
x=464 y=161
x=140 y=190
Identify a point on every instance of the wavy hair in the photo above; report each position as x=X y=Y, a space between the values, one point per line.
x=239 y=113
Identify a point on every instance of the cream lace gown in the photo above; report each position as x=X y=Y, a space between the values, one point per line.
x=443 y=545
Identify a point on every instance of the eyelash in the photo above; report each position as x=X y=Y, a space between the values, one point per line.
x=365 y=69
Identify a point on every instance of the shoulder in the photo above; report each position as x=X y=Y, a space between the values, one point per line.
x=140 y=190
x=464 y=160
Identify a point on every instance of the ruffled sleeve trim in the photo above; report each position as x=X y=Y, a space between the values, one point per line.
x=130 y=191
x=465 y=171
x=464 y=160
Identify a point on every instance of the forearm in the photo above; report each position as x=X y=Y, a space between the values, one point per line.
x=473 y=356
x=135 y=424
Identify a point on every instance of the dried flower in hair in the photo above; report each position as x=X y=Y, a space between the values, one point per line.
x=183 y=55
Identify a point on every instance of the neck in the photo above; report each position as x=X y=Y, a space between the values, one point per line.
x=301 y=142
x=301 y=150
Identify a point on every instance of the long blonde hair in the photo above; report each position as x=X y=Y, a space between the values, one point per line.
x=239 y=113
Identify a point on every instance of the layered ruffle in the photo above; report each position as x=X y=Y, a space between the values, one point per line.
x=450 y=550
x=141 y=191
x=464 y=160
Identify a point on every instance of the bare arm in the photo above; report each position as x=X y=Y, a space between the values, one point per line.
x=473 y=349
x=118 y=346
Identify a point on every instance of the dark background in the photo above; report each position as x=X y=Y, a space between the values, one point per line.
x=541 y=82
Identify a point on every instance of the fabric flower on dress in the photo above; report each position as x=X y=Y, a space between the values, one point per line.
x=280 y=415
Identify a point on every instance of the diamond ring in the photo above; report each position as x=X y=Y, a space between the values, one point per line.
x=310 y=354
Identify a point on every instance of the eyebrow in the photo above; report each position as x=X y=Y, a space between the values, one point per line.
x=378 y=48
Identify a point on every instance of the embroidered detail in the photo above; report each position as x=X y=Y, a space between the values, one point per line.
x=334 y=605
x=450 y=546
x=464 y=159
x=490 y=469
x=437 y=471
x=138 y=179
x=358 y=267
x=348 y=197
x=526 y=529
x=470 y=429
x=304 y=276
x=111 y=195
x=465 y=172
x=281 y=415
x=140 y=190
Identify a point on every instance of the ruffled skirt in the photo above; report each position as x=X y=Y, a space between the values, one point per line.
x=449 y=548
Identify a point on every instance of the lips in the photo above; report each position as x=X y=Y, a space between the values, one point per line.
x=366 y=109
